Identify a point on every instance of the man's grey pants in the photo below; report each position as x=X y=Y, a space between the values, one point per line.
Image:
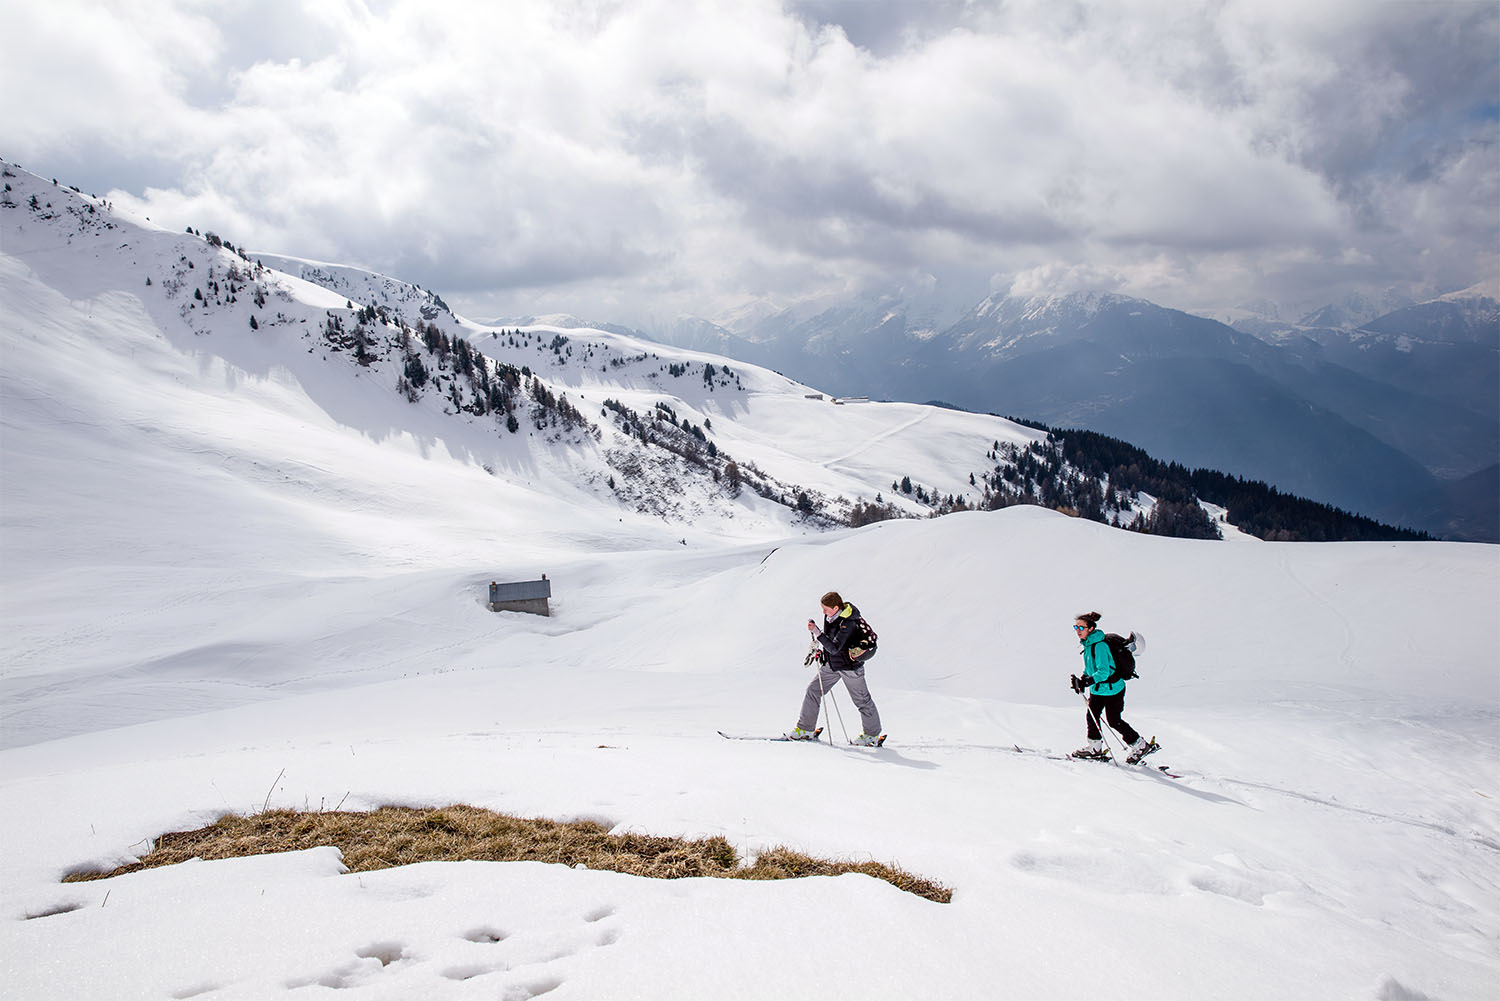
x=859 y=692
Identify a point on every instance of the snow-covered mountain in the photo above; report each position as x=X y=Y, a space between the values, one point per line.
x=1353 y=311
x=845 y=344
x=1424 y=377
x=244 y=567
x=1003 y=327
x=403 y=302
x=1468 y=314
x=1444 y=346
x=1471 y=316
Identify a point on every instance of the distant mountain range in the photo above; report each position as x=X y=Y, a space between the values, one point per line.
x=1394 y=415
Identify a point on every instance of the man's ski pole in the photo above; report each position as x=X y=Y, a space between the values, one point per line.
x=823 y=694
x=834 y=698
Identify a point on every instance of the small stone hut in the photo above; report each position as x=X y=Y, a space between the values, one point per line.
x=522 y=596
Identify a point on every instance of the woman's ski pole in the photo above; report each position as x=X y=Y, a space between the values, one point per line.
x=1098 y=725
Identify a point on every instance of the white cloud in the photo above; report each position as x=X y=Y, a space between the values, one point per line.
x=652 y=158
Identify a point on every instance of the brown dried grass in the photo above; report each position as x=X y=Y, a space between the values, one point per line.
x=397 y=835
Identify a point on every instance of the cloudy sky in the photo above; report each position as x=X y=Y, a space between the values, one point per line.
x=632 y=160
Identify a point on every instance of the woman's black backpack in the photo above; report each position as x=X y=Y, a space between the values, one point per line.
x=1120 y=648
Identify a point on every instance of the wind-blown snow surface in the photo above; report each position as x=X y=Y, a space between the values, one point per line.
x=234 y=580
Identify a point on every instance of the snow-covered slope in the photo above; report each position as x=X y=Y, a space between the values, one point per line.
x=132 y=367
x=241 y=570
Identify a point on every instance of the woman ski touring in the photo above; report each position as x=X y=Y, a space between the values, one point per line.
x=840 y=658
x=1104 y=694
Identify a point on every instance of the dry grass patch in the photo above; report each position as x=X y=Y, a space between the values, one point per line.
x=396 y=835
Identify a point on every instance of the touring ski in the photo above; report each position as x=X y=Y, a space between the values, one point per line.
x=1164 y=769
x=783 y=737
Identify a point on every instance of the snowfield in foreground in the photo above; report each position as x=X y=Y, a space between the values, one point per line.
x=1334 y=835
x=236 y=579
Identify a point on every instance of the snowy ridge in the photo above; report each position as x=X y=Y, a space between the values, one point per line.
x=1487 y=289
x=242 y=569
x=594 y=366
x=1386 y=319
x=403 y=302
x=1003 y=323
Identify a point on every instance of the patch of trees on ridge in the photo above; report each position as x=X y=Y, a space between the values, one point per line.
x=660 y=428
x=1251 y=505
x=1059 y=474
x=494 y=387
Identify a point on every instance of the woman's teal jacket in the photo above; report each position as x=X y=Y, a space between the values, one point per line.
x=1099 y=664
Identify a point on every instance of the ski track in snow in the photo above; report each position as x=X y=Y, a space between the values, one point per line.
x=1346 y=658
x=1057 y=757
x=870 y=443
x=1468 y=836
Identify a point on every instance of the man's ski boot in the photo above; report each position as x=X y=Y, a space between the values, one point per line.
x=1094 y=750
x=1140 y=749
x=797 y=733
x=867 y=740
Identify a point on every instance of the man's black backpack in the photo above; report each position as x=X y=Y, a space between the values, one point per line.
x=1119 y=647
x=862 y=645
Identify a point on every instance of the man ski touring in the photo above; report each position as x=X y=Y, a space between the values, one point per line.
x=1104 y=694
x=839 y=659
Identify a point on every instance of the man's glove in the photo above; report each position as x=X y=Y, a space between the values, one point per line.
x=1079 y=684
x=813 y=657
